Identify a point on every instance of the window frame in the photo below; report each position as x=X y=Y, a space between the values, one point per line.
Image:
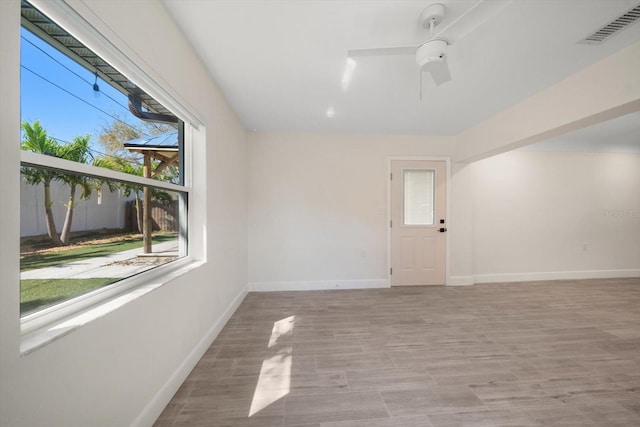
x=43 y=326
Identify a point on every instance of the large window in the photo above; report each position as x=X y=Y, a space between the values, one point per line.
x=104 y=189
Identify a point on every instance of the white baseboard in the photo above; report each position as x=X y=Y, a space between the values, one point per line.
x=318 y=285
x=460 y=281
x=556 y=275
x=154 y=408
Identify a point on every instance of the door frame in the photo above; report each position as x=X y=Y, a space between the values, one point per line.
x=447 y=161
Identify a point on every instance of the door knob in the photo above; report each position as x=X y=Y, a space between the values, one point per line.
x=442 y=230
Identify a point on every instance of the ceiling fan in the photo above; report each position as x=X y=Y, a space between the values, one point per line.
x=431 y=55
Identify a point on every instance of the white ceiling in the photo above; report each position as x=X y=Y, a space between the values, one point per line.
x=281 y=63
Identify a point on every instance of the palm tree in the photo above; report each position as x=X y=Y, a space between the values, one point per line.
x=76 y=151
x=35 y=139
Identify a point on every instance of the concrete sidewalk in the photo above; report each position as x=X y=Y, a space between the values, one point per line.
x=118 y=265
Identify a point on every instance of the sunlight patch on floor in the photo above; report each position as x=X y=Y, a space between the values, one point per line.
x=281 y=328
x=274 y=381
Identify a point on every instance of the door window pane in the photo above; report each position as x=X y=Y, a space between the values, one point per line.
x=419 y=194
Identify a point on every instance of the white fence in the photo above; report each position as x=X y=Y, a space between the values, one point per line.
x=100 y=211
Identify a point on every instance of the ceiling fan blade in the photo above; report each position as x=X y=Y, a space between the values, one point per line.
x=470 y=20
x=439 y=72
x=383 y=51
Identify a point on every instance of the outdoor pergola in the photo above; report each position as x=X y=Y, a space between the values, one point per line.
x=163 y=147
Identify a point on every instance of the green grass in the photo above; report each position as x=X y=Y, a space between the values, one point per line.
x=40 y=293
x=79 y=253
x=36 y=294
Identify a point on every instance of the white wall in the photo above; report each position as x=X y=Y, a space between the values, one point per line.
x=318 y=207
x=317 y=212
x=121 y=369
x=534 y=212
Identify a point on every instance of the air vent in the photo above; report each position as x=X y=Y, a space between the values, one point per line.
x=613 y=27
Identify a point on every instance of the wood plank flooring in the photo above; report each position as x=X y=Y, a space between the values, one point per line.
x=563 y=353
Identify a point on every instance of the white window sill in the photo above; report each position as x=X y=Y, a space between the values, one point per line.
x=136 y=287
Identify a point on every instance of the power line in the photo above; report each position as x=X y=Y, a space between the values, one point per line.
x=94 y=151
x=73 y=72
x=84 y=80
x=50 y=56
x=91 y=151
x=126 y=159
x=80 y=99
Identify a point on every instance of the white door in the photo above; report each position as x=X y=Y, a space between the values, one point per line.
x=418 y=212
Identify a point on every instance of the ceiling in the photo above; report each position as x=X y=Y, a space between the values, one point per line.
x=281 y=63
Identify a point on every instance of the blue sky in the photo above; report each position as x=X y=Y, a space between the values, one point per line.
x=62 y=115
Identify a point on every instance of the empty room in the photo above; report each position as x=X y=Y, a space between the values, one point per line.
x=320 y=213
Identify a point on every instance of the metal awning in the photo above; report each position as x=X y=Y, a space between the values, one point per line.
x=163 y=146
x=36 y=22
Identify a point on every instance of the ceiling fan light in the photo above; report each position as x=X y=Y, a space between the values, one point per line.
x=430 y=53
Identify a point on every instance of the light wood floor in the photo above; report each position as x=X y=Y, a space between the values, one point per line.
x=561 y=353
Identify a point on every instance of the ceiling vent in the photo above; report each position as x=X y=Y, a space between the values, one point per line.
x=613 y=27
